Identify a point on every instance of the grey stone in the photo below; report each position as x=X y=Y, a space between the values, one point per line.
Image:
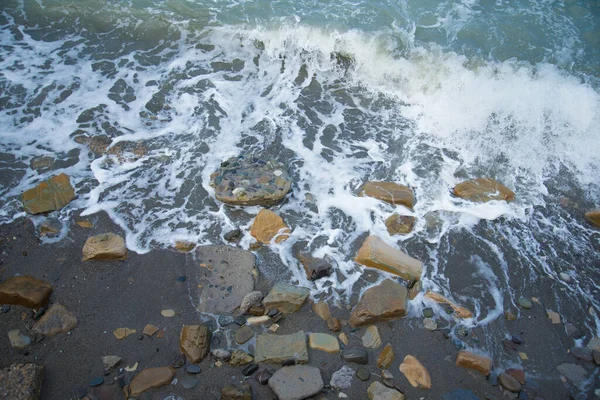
x=221 y=354
x=363 y=374
x=378 y=391
x=427 y=312
x=278 y=348
x=509 y=383
x=286 y=298
x=525 y=303
x=189 y=381
x=296 y=382
x=244 y=334
x=251 y=299
x=342 y=378
x=573 y=372
x=429 y=324
x=21 y=382
x=582 y=352
x=110 y=362
x=18 y=340
x=358 y=356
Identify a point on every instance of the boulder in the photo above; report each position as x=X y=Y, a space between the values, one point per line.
x=278 y=348
x=150 y=378
x=296 y=382
x=106 y=246
x=56 y=320
x=593 y=217
x=324 y=342
x=415 y=372
x=50 y=195
x=315 y=268
x=268 y=226
x=399 y=224
x=371 y=338
x=389 y=192
x=483 y=190
x=386 y=357
x=21 y=382
x=375 y=253
x=384 y=302
x=236 y=392
x=459 y=310
x=25 y=291
x=476 y=362
x=251 y=181
x=286 y=298
x=194 y=342
x=378 y=391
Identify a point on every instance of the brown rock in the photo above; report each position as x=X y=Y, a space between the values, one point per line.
x=25 y=291
x=483 y=190
x=184 y=246
x=386 y=357
x=476 y=362
x=334 y=324
x=315 y=268
x=56 y=320
x=415 y=372
x=21 y=382
x=236 y=392
x=378 y=391
x=593 y=217
x=104 y=247
x=267 y=225
x=194 y=342
x=150 y=329
x=122 y=333
x=52 y=194
x=509 y=383
x=322 y=310
x=400 y=224
x=276 y=349
x=389 y=192
x=416 y=288
x=438 y=298
x=384 y=302
x=150 y=378
x=286 y=298
x=375 y=253
x=239 y=358
x=518 y=374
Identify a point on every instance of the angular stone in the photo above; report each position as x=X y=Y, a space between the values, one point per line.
x=268 y=226
x=593 y=217
x=334 y=324
x=476 y=362
x=251 y=181
x=106 y=246
x=51 y=226
x=249 y=300
x=459 y=310
x=518 y=374
x=573 y=372
x=415 y=290
x=279 y=348
x=358 y=356
x=384 y=302
x=150 y=378
x=415 y=372
x=56 y=320
x=225 y=274
x=386 y=357
x=315 y=268
x=18 y=340
x=122 y=333
x=322 y=310
x=150 y=329
x=483 y=190
x=342 y=378
x=233 y=236
x=194 y=342
x=389 y=192
x=378 y=391
x=110 y=362
x=594 y=343
x=25 y=291
x=524 y=302
x=221 y=354
x=553 y=316
x=397 y=224
x=40 y=163
x=363 y=374
x=240 y=358
x=52 y=194
x=371 y=338
x=236 y=392
x=244 y=334
x=286 y=298
x=375 y=253
x=582 y=353
x=324 y=342
x=183 y=246
x=21 y=382
x=296 y=382
x=343 y=338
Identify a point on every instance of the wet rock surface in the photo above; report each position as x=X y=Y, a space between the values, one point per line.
x=399 y=224
x=268 y=226
x=483 y=190
x=390 y=192
x=151 y=378
x=593 y=217
x=56 y=320
x=279 y=348
x=21 y=382
x=296 y=382
x=25 y=291
x=50 y=195
x=106 y=246
x=476 y=362
x=286 y=298
x=375 y=253
x=194 y=342
x=384 y=302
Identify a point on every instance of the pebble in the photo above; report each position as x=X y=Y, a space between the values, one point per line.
x=168 y=313
x=427 y=312
x=249 y=369
x=385 y=374
x=189 y=382
x=565 y=277
x=429 y=324
x=244 y=334
x=517 y=339
x=342 y=378
x=178 y=361
x=263 y=376
x=272 y=312
x=363 y=374
x=181 y=278
x=458 y=344
x=221 y=354
x=193 y=369
x=358 y=356
x=5 y=309
x=582 y=353
x=462 y=330
x=524 y=302
x=509 y=383
x=240 y=320
x=97 y=382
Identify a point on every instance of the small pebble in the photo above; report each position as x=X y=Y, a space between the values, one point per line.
x=193 y=369
x=427 y=312
x=525 y=303
x=385 y=374
x=178 y=361
x=189 y=382
x=97 y=382
x=225 y=320
x=458 y=344
x=429 y=324
x=240 y=320
x=363 y=374
x=181 y=278
x=517 y=339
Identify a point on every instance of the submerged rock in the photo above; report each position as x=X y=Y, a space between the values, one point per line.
x=50 y=195
x=279 y=348
x=397 y=224
x=509 y=383
x=150 y=378
x=21 y=382
x=384 y=302
x=415 y=372
x=56 y=320
x=251 y=181
x=378 y=391
x=390 y=192
x=296 y=382
x=483 y=190
x=476 y=362
x=375 y=253
x=106 y=246
x=25 y=291
x=268 y=226
x=593 y=217
x=194 y=342
x=286 y=298
x=459 y=310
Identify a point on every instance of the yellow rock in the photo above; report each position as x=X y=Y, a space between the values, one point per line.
x=84 y=224
x=438 y=298
x=375 y=253
x=386 y=357
x=150 y=329
x=322 y=310
x=52 y=194
x=268 y=226
x=389 y=192
x=593 y=217
x=476 y=362
x=122 y=333
x=106 y=246
x=397 y=224
x=415 y=372
x=184 y=246
x=194 y=342
x=343 y=338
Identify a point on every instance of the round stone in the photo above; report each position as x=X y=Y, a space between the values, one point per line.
x=193 y=369
x=363 y=374
x=97 y=382
x=427 y=312
x=525 y=303
x=225 y=320
x=189 y=382
x=429 y=324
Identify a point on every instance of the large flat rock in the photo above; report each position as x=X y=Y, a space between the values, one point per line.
x=483 y=190
x=21 y=382
x=296 y=382
x=375 y=253
x=279 y=348
x=383 y=302
x=25 y=291
x=50 y=195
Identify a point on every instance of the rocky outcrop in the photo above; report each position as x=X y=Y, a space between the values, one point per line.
x=384 y=302
x=50 y=195
x=415 y=372
x=476 y=362
x=375 y=253
x=21 y=382
x=397 y=224
x=279 y=348
x=56 y=320
x=483 y=190
x=286 y=298
x=593 y=217
x=150 y=378
x=459 y=310
x=268 y=226
x=296 y=382
x=194 y=342
x=378 y=391
x=106 y=246
x=251 y=181
x=389 y=192
x=25 y=291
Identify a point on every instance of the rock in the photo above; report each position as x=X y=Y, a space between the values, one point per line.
x=334 y=324
x=41 y=163
x=84 y=224
x=178 y=361
x=554 y=317
x=263 y=376
x=106 y=246
x=343 y=338
x=150 y=329
x=518 y=374
x=509 y=383
x=573 y=372
x=97 y=382
x=375 y=253
x=524 y=302
x=225 y=320
x=240 y=358
x=56 y=320
x=516 y=339
x=51 y=226
x=110 y=362
x=21 y=382
x=483 y=190
x=194 y=342
x=565 y=277
x=278 y=348
x=384 y=302
x=358 y=356
x=460 y=394
x=244 y=334
x=593 y=217
x=427 y=312
x=25 y=291
x=251 y=181
x=268 y=226
x=377 y=391
x=386 y=357
x=399 y=224
x=415 y=372
x=227 y=280
x=122 y=333
x=342 y=378
x=363 y=374
x=183 y=246
x=296 y=382
x=150 y=378
x=189 y=381
x=167 y=313
x=459 y=310
x=324 y=342
x=221 y=354
x=510 y=316
x=50 y=195
x=594 y=343
x=315 y=268
x=236 y=392
x=582 y=353
x=389 y=192
x=286 y=298
x=18 y=340
x=385 y=374
x=258 y=320
x=322 y=310
x=476 y=362
x=249 y=369
x=416 y=288
x=233 y=236
x=249 y=300
x=371 y=338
